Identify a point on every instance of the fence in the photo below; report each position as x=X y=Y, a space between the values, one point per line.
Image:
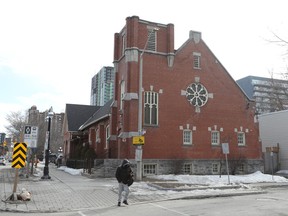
x=86 y=164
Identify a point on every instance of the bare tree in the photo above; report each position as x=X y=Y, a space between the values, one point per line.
x=16 y=125
x=273 y=94
x=278 y=94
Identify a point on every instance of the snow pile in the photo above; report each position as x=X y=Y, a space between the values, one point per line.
x=71 y=171
x=256 y=177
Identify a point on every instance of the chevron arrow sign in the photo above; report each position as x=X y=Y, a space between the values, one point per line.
x=19 y=155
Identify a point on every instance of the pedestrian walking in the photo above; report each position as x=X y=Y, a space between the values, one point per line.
x=124 y=176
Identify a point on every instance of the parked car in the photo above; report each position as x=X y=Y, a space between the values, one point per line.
x=2 y=160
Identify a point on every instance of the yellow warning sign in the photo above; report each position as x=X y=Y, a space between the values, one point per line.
x=138 y=140
x=19 y=155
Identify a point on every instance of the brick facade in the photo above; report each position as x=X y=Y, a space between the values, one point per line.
x=169 y=72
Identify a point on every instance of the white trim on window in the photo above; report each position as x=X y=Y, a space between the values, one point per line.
x=241 y=138
x=215 y=137
x=187 y=137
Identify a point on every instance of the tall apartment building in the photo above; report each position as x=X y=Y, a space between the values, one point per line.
x=39 y=119
x=102 y=86
x=269 y=94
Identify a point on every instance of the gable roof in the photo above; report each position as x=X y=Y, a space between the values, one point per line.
x=77 y=114
x=100 y=114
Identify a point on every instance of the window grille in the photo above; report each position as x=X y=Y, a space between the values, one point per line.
x=241 y=168
x=215 y=168
x=151 y=108
x=187 y=169
x=150 y=169
x=215 y=138
x=241 y=138
x=187 y=137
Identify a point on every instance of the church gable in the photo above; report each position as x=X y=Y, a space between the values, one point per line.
x=191 y=104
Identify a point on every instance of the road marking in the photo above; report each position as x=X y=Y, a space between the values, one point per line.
x=80 y=213
x=177 y=212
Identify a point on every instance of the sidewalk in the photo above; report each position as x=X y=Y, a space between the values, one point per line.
x=65 y=192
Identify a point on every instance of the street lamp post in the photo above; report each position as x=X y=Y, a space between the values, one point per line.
x=140 y=110
x=47 y=150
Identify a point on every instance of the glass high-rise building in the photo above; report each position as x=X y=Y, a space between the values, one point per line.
x=102 y=86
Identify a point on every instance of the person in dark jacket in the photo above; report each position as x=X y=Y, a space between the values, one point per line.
x=124 y=176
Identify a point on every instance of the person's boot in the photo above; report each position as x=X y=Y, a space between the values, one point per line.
x=119 y=203
x=125 y=202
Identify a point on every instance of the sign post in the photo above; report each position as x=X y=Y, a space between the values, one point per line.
x=138 y=141
x=30 y=138
x=225 y=149
x=18 y=161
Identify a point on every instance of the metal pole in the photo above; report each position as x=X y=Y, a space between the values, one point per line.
x=227 y=167
x=140 y=111
x=46 y=167
x=14 y=195
x=272 y=164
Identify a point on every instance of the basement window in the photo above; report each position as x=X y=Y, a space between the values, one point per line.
x=150 y=169
x=187 y=169
x=241 y=168
x=215 y=168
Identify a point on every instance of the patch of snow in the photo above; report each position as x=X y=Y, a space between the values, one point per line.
x=71 y=171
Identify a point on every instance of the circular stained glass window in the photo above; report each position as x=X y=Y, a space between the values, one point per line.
x=197 y=94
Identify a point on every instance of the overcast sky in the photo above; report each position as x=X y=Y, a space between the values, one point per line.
x=50 y=50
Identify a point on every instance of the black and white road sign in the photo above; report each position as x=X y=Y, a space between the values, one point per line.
x=31 y=136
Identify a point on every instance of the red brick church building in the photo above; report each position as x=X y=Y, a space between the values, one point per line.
x=190 y=105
